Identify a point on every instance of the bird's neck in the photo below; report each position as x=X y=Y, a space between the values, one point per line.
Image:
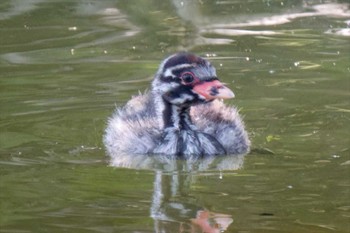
x=175 y=116
x=180 y=136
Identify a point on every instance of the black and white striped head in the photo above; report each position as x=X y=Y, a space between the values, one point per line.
x=186 y=79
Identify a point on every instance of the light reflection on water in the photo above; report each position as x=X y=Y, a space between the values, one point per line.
x=64 y=67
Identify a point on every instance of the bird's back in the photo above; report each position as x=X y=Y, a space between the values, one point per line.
x=133 y=128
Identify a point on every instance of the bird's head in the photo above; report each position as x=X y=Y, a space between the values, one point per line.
x=185 y=79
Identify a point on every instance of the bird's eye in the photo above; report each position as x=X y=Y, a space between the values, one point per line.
x=187 y=78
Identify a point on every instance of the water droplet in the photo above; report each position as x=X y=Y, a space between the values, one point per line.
x=210 y=55
x=74 y=28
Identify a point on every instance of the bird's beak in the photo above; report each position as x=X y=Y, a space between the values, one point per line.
x=213 y=90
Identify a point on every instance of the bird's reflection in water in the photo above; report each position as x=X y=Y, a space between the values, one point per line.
x=174 y=208
x=211 y=222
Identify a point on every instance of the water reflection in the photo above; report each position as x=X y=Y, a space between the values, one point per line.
x=330 y=9
x=97 y=25
x=172 y=202
x=170 y=164
x=173 y=205
x=110 y=16
x=18 y=7
x=239 y=24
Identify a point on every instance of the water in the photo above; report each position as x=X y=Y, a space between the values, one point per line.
x=65 y=65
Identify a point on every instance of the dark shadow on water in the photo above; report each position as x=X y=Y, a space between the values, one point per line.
x=174 y=208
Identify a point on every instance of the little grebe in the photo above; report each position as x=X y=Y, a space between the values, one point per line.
x=183 y=115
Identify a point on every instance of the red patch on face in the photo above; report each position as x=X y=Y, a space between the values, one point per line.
x=213 y=90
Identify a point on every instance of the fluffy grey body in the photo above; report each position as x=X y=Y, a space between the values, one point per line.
x=181 y=123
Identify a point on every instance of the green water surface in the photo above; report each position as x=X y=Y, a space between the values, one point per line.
x=66 y=65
